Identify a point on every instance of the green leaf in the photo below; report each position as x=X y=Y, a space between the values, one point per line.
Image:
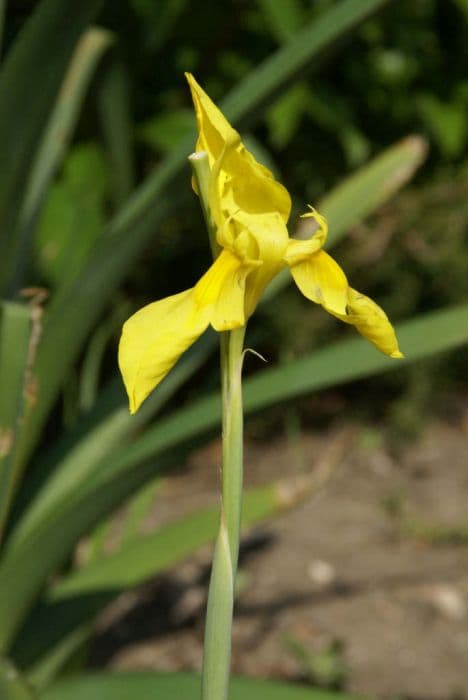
x=284 y=18
x=114 y=110
x=12 y=685
x=447 y=122
x=73 y=216
x=138 y=509
x=136 y=561
x=372 y=185
x=148 y=686
x=60 y=126
x=47 y=39
x=16 y=387
x=285 y=115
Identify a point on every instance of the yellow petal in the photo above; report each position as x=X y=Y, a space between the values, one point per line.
x=220 y=293
x=239 y=180
x=322 y=280
x=372 y=322
x=153 y=339
x=214 y=130
x=300 y=251
x=250 y=187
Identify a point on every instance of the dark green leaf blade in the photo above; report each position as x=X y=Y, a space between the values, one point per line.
x=31 y=75
x=15 y=350
x=147 y=686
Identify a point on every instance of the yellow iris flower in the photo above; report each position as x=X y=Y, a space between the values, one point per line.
x=250 y=211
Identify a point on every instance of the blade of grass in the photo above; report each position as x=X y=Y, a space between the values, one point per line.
x=32 y=74
x=147 y=686
x=135 y=562
x=138 y=509
x=114 y=111
x=73 y=313
x=373 y=184
x=57 y=135
x=15 y=356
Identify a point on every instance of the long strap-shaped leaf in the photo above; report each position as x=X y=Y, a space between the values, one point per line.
x=30 y=79
x=25 y=567
x=148 y=686
x=73 y=314
x=16 y=350
x=57 y=133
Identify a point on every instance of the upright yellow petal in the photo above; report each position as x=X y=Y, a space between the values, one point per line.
x=372 y=322
x=322 y=280
x=237 y=176
x=214 y=130
x=154 y=338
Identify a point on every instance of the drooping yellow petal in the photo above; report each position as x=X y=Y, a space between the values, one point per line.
x=372 y=322
x=301 y=250
x=322 y=280
x=154 y=338
x=221 y=292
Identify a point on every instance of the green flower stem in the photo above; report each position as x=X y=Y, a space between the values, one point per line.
x=217 y=649
x=231 y=366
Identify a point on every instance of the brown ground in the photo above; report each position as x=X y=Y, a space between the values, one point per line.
x=337 y=569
